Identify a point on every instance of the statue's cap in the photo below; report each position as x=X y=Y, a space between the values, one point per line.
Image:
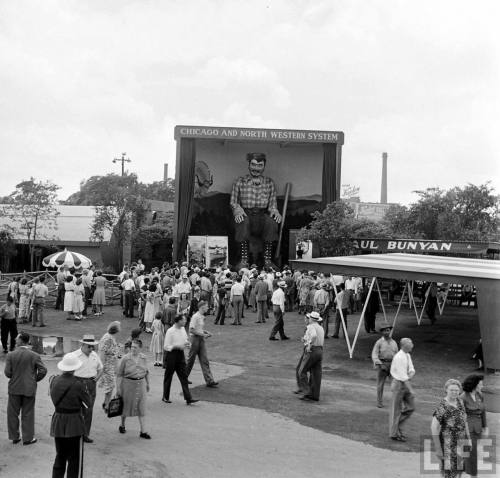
x=257 y=156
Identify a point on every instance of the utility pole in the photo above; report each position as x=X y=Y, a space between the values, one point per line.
x=123 y=160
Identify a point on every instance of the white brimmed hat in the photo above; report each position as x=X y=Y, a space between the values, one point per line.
x=281 y=283
x=315 y=316
x=89 y=339
x=69 y=363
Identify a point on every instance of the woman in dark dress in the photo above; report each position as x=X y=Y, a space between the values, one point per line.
x=449 y=430
x=476 y=417
x=69 y=395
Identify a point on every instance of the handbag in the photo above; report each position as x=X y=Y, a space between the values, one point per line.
x=115 y=407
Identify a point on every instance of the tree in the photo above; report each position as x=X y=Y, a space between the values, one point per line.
x=151 y=240
x=159 y=190
x=469 y=214
x=334 y=229
x=7 y=247
x=32 y=210
x=119 y=207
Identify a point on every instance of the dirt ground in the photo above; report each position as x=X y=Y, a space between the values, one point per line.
x=253 y=425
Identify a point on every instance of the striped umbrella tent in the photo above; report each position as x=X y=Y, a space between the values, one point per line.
x=67 y=258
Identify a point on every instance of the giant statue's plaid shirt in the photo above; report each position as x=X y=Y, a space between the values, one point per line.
x=248 y=192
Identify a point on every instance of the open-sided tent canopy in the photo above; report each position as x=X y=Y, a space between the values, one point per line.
x=484 y=274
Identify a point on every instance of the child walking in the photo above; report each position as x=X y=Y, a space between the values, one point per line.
x=149 y=310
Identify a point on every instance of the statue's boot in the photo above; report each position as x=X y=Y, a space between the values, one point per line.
x=243 y=256
x=268 y=255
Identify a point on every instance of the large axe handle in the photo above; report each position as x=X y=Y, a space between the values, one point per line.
x=288 y=187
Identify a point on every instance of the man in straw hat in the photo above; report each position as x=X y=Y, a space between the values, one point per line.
x=69 y=395
x=89 y=373
x=278 y=301
x=24 y=368
x=382 y=354
x=261 y=289
x=311 y=360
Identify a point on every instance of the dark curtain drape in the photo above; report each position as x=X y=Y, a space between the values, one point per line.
x=185 y=196
x=329 y=192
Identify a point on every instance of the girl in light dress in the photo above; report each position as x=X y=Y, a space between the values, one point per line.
x=149 y=309
x=158 y=304
x=78 y=294
x=156 y=345
x=69 y=289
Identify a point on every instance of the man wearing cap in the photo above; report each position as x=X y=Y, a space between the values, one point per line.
x=70 y=397
x=89 y=373
x=278 y=301
x=342 y=301
x=255 y=209
x=382 y=354
x=312 y=359
x=24 y=369
x=198 y=348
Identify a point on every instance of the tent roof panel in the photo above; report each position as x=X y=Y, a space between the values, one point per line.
x=407 y=266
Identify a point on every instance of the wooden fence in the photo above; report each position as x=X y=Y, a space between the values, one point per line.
x=112 y=288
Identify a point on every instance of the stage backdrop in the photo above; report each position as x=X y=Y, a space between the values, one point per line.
x=210 y=159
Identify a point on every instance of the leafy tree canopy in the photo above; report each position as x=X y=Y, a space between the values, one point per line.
x=469 y=214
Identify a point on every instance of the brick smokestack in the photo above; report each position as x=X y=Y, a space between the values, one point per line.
x=383 y=189
x=165 y=171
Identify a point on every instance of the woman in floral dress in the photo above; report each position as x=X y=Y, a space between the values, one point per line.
x=24 y=300
x=109 y=353
x=450 y=431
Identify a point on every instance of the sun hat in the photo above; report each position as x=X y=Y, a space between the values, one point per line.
x=385 y=327
x=69 y=363
x=281 y=283
x=315 y=316
x=89 y=339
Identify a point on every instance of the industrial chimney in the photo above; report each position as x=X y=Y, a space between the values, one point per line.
x=165 y=171
x=383 y=189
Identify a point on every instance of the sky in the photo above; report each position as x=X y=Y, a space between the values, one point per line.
x=83 y=81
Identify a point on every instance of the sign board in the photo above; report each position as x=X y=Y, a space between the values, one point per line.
x=419 y=245
x=257 y=134
x=207 y=251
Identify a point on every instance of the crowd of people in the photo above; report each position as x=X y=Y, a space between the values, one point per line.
x=172 y=304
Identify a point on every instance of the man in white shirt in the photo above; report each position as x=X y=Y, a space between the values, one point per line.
x=236 y=300
x=89 y=373
x=312 y=359
x=382 y=354
x=321 y=301
x=128 y=286
x=278 y=302
x=198 y=348
x=176 y=340
x=403 y=399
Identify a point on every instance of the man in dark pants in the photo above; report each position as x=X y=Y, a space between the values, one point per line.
x=198 y=347
x=255 y=209
x=128 y=287
x=89 y=373
x=342 y=301
x=61 y=279
x=312 y=359
x=278 y=301
x=8 y=325
x=176 y=340
x=261 y=289
x=24 y=368
x=382 y=354
x=68 y=395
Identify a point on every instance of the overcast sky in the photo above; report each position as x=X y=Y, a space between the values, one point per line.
x=83 y=81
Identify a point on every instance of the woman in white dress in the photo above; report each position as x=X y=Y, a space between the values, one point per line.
x=69 y=289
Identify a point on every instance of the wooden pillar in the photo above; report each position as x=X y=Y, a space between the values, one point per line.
x=488 y=300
